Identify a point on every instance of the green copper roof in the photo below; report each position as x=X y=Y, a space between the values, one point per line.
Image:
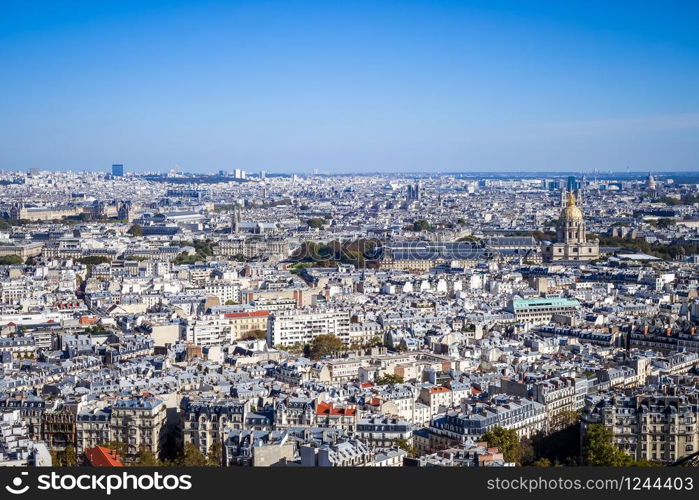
x=553 y=302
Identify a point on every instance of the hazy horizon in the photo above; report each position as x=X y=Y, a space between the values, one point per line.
x=360 y=87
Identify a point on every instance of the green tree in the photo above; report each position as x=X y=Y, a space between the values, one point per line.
x=421 y=225
x=255 y=335
x=403 y=444
x=376 y=341
x=326 y=345
x=599 y=449
x=10 y=260
x=297 y=348
x=506 y=441
x=527 y=452
x=564 y=419
x=70 y=457
x=135 y=230
x=204 y=248
x=191 y=457
x=215 y=455
x=668 y=200
x=316 y=222
x=146 y=458
x=542 y=462
x=184 y=258
x=664 y=223
x=389 y=378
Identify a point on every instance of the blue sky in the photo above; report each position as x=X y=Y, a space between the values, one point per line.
x=350 y=86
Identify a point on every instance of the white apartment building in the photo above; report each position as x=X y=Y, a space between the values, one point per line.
x=224 y=328
x=224 y=290
x=288 y=327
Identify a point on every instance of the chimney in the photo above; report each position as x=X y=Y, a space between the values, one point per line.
x=645 y=330
x=668 y=332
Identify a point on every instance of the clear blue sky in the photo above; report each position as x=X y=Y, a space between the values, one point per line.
x=341 y=86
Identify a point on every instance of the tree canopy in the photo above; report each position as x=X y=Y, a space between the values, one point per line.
x=191 y=457
x=10 y=260
x=316 y=222
x=421 y=225
x=215 y=456
x=507 y=441
x=325 y=345
x=389 y=378
x=135 y=230
x=599 y=449
x=146 y=458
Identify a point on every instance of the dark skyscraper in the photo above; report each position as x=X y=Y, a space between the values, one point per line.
x=572 y=184
x=118 y=170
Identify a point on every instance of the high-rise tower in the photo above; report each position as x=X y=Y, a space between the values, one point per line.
x=235 y=219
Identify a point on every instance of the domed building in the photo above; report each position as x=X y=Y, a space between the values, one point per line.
x=651 y=187
x=650 y=182
x=571 y=239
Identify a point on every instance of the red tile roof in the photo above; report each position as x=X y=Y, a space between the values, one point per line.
x=252 y=314
x=99 y=456
x=329 y=409
x=439 y=389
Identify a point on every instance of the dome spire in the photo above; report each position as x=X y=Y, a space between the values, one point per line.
x=571 y=212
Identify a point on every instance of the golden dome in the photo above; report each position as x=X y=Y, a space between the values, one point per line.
x=571 y=212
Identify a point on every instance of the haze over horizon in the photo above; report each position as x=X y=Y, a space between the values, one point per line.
x=344 y=87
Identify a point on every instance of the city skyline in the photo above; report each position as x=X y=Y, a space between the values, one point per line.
x=367 y=87
x=343 y=321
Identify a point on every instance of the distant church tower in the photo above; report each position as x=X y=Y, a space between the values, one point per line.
x=17 y=211
x=124 y=210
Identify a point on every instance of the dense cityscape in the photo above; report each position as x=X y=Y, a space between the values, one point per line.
x=387 y=320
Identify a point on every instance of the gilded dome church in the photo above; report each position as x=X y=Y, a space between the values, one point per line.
x=571 y=239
